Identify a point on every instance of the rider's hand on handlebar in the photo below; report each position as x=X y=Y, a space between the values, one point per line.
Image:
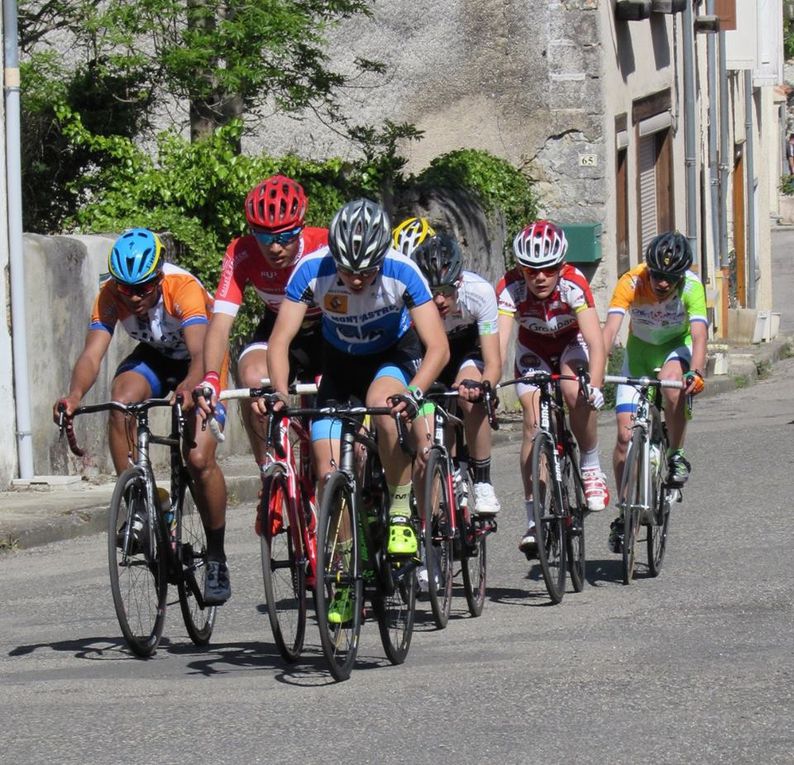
x=595 y=396
x=273 y=402
x=65 y=406
x=206 y=393
x=406 y=404
x=693 y=379
x=470 y=390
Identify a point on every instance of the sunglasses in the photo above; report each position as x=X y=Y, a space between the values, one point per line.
x=448 y=290
x=285 y=237
x=138 y=290
x=660 y=276
x=363 y=275
x=533 y=272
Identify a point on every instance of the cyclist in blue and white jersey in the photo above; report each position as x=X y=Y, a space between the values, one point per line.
x=377 y=313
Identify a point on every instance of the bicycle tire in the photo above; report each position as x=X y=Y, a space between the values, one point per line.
x=437 y=537
x=139 y=574
x=192 y=546
x=338 y=567
x=630 y=498
x=473 y=559
x=657 y=531
x=395 y=612
x=574 y=528
x=549 y=520
x=283 y=567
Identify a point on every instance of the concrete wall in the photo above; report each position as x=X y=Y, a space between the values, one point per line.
x=62 y=277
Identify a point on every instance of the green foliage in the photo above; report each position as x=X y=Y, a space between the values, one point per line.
x=788 y=39
x=614 y=367
x=787 y=185
x=497 y=184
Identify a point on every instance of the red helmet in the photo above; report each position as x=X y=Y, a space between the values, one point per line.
x=541 y=244
x=278 y=204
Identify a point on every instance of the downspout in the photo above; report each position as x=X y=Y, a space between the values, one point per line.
x=725 y=168
x=748 y=131
x=15 y=251
x=714 y=180
x=690 y=144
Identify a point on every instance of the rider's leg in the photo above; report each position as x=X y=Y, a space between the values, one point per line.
x=251 y=370
x=127 y=387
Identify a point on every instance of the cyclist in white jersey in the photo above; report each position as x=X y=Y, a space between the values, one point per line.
x=467 y=304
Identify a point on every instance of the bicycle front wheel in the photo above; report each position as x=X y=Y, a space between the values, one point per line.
x=574 y=522
x=338 y=593
x=473 y=559
x=192 y=545
x=437 y=537
x=395 y=612
x=283 y=567
x=657 y=530
x=549 y=521
x=137 y=564
x=631 y=499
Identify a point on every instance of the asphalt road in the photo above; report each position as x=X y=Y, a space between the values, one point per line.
x=695 y=666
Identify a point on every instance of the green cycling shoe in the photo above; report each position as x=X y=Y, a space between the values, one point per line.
x=402 y=538
x=340 y=609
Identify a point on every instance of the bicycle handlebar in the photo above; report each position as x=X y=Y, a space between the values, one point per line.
x=644 y=382
x=488 y=400
x=542 y=377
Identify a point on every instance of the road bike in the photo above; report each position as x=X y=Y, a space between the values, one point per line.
x=286 y=519
x=646 y=495
x=352 y=537
x=450 y=530
x=154 y=538
x=559 y=503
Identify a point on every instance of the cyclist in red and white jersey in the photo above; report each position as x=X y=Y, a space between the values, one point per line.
x=557 y=320
x=275 y=210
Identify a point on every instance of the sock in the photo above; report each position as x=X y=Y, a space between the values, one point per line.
x=481 y=470
x=215 y=544
x=588 y=460
x=400 y=500
x=530 y=508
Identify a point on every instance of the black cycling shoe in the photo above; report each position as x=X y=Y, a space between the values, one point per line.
x=217 y=589
x=679 y=469
x=615 y=540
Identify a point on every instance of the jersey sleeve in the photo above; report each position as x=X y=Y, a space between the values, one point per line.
x=578 y=294
x=487 y=310
x=104 y=314
x=186 y=299
x=231 y=285
x=623 y=296
x=694 y=297
x=506 y=295
x=302 y=281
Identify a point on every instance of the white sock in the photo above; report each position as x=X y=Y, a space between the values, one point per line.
x=529 y=505
x=589 y=460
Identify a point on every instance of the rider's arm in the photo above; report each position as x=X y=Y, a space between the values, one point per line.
x=216 y=341
x=86 y=369
x=492 y=358
x=431 y=332
x=505 y=330
x=699 y=331
x=194 y=335
x=288 y=323
x=590 y=327
x=611 y=329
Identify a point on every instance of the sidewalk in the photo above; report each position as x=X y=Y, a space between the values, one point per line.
x=40 y=514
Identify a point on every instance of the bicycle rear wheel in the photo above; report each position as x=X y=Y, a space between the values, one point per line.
x=283 y=567
x=631 y=498
x=549 y=521
x=437 y=537
x=339 y=586
x=574 y=529
x=137 y=564
x=192 y=545
x=473 y=559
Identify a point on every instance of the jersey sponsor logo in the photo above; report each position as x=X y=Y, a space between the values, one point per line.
x=488 y=328
x=335 y=303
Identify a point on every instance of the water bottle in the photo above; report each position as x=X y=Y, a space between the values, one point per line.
x=656 y=458
x=217 y=421
x=164 y=500
x=461 y=493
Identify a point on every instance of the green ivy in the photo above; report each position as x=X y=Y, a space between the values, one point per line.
x=498 y=185
x=787 y=185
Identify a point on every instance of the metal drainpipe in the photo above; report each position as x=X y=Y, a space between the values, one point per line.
x=15 y=250
x=725 y=168
x=714 y=180
x=690 y=143
x=748 y=131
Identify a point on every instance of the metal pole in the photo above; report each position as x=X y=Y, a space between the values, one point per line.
x=724 y=168
x=690 y=137
x=15 y=250
x=714 y=180
x=748 y=131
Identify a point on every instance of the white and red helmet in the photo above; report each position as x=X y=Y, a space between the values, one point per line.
x=541 y=244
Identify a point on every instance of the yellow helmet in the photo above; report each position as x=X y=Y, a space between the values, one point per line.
x=410 y=233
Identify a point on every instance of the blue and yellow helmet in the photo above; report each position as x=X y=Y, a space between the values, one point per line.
x=136 y=256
